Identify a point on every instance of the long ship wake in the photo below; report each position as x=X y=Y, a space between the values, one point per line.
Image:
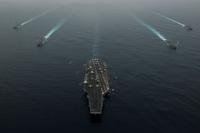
x=54 y=29
x=51 y=32
x=19 y=26
x=151 y=29
x=35 y=18
x=172 y=20
x=95 y=47
x=169 y=43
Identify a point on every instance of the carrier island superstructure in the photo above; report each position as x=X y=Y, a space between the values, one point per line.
x=96 y=84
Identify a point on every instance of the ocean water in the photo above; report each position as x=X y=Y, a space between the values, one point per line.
x=156 y=90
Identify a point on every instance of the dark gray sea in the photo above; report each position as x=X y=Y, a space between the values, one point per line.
x=155 y=89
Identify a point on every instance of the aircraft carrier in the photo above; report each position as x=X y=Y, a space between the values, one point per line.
x=96 y=84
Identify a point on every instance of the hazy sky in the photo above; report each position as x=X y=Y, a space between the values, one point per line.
x=136 y=3
x=106 y=1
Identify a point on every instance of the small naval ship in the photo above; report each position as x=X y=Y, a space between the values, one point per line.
x=96 y=85
x=172 y=45
x=17 y=27
x=188 y=28
x=42 y=41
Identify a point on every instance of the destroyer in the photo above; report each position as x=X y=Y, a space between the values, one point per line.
x=188 y=28
x=42 y=41
x=96 y=84
x=17 y=27
x=171 y=44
